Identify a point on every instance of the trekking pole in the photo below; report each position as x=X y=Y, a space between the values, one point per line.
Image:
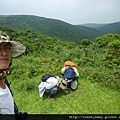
x=32 y=87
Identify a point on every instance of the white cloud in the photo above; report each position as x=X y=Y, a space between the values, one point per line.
x=71 y=11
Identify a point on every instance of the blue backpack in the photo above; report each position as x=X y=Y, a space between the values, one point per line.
x=69 y=73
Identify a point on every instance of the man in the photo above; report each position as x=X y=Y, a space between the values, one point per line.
x=48 y=85
x=8 y=49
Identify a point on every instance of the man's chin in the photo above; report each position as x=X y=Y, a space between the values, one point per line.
x=4 y=67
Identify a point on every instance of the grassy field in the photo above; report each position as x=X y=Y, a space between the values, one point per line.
x=89 y=98
x=98 y=63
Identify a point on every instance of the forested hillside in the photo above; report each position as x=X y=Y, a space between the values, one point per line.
x=58 y=29
x=50 y=27
x=106 y=28
x=90 y=31
x=110 y=28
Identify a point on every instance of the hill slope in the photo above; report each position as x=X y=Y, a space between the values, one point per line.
x=50 y=27
x=110 y=28
x=105 y=28
x=90 y=31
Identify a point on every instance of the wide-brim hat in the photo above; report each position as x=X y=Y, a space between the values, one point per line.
x=17 y=47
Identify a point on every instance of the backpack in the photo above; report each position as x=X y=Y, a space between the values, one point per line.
x=69 y=63
x=46 y=76
x=69 y=73
x=62 y=84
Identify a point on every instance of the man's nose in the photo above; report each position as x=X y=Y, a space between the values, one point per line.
x=2 y=51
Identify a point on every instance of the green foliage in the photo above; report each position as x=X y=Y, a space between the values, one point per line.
x=47 y=55
x=97 y=60
x=110 y=28
x=50 y=27
x=101 y=60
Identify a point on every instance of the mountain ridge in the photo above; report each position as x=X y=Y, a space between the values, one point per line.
x=92 y=25
x=51 y=27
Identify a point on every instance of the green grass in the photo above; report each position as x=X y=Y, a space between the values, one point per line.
x=97 y=61
x=89 y=98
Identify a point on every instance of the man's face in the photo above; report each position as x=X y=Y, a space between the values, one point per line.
x=5 y=55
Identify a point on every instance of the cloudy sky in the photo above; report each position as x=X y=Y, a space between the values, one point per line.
x=70 y=11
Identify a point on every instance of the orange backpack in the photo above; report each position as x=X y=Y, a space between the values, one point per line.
x=72 y=64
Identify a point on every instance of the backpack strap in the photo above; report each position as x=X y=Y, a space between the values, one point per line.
x=15 y=106
x=8 y=84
